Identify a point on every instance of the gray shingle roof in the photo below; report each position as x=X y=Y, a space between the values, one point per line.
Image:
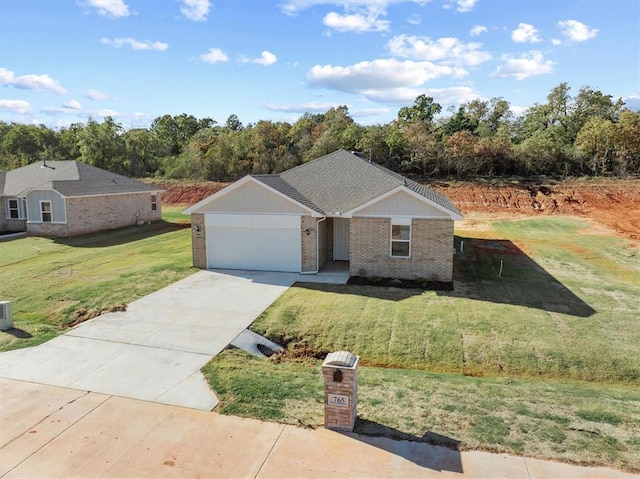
x=341 y=181
x=70 y=178
x=280 y=185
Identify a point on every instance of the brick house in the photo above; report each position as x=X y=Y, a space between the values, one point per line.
x=340 y=207
x=68 y=198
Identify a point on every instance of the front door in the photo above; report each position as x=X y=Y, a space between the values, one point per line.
x=340 y=239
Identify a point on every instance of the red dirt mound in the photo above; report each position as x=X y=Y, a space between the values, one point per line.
x=614 y=203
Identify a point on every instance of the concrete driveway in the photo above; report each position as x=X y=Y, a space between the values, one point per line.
x=154 y=350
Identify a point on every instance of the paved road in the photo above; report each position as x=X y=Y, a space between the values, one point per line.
x=154 y=350
x=64 y=433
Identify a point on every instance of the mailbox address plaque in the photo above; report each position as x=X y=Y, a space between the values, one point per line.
x=338 y=400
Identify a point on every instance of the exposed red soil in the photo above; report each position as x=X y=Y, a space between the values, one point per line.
x=613 y=203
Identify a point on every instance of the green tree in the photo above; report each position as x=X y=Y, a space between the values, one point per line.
x=101 y=145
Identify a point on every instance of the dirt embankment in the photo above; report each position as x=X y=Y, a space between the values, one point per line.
x=614 y=203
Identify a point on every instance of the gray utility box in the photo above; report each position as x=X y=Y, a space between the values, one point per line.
x=6 y=315
x=340 y=373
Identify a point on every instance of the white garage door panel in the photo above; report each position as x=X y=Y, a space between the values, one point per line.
x=241 y=244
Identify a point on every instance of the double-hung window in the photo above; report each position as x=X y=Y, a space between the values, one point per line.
x=14 y=208
x=45 y=211
x=401 y=237
x=154 y=202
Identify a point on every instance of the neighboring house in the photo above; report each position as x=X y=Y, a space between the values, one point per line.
x=67 y=198
x=336 y=208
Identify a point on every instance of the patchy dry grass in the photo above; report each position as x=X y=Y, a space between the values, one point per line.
x=51 y=281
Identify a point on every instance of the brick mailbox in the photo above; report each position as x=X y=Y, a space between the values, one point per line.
x=340 y=373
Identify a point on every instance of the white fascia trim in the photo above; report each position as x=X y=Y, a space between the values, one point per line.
x=448 y=212
x=239 y=183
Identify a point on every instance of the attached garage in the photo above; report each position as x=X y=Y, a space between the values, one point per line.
x=255 y=242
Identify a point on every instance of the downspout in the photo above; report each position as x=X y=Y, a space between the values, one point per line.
x=317 y=248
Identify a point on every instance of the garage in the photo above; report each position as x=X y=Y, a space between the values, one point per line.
x=254 y=242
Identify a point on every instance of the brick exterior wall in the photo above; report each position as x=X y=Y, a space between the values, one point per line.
x=90 y=214
x=9 y=224
x=308 y=242
x=341 y=417
x=431 y=250
x=323 y=230
x=198 y=241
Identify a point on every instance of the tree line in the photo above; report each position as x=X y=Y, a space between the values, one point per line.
x=589 y=133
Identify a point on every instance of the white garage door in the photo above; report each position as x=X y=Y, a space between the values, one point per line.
x=254 y=242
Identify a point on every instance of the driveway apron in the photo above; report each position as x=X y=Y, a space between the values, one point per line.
x=155 y=349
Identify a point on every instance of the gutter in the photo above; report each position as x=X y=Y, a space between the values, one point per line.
x=317 y=248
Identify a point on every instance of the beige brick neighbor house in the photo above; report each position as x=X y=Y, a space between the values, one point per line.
x=67 y=198
x=340 y=207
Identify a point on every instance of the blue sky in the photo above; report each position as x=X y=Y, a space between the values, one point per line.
x=62 y=61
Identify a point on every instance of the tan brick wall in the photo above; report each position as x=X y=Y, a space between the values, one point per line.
x=431 y=250
x=308 y=242
x=323 y=230
x=97 y=213
x=198 y=241
x=10 y=224
x=339 y=417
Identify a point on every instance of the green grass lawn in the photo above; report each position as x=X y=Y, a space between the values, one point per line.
x=537 y=348
x=49 y=280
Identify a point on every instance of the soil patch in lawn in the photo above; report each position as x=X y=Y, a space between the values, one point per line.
x=400 y=283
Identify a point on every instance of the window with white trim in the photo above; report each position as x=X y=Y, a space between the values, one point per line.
x=45 y=211
x=401 y=237
x=15 y=207
x=154 y=202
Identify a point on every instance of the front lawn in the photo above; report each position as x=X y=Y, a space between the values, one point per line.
x=52 y=281
x=537 y=345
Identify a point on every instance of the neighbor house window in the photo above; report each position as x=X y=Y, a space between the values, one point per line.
x=401 y=238
x=45 y=211
x=154 y=202
x=14 y=209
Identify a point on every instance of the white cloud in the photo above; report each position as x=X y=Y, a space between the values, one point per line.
x=447 y=50
x=371 y=78
x=109 y=8
x=320 y=107
x=576 y=31
x=135 y=44
x=478 y=30
x=528 y=64
x=292 y=7
x=444 y=96
x=415 y=19
x=95 y=95
x=632 y=101
x=214 y=55
x=525 y=33
x=30 y=82
x=358 y=23
x=73 y=105
x=266 y=58
x=196 y=10
x=556 y=41
x=20 y=107
x=462 y=6
x=105 y=112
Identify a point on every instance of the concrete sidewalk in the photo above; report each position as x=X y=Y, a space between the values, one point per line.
x=63 y=433
x=154 y=350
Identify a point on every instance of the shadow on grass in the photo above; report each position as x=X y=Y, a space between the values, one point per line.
x=499 y=272
x=122 y=235
x=18 y=333
x=431 y=450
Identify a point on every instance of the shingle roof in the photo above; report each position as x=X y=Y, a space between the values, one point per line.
x=341 y=181
x=69 y=178
x=279 y=184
